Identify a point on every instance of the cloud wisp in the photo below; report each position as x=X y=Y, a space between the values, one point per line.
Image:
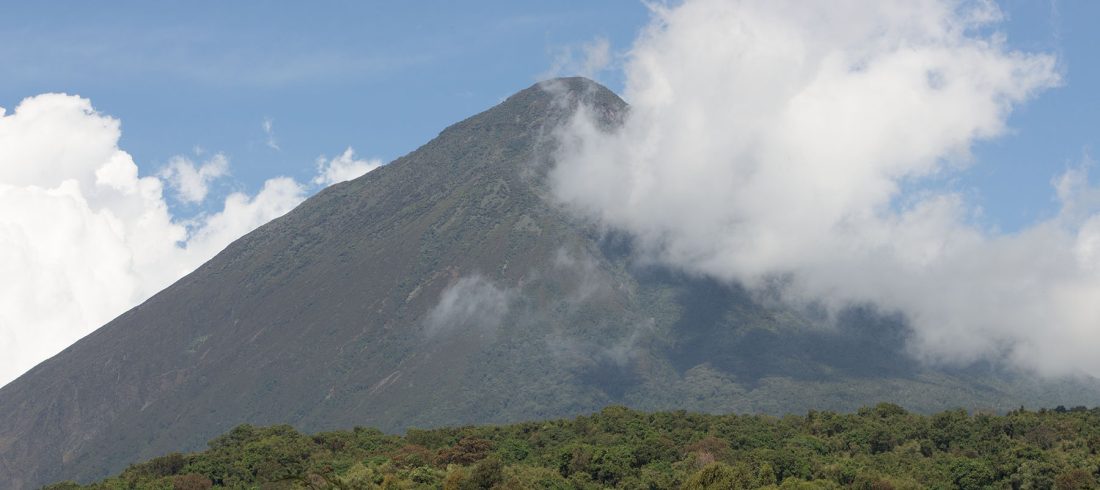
x=269 y=131
x=587 y=60
x=770 y=141
x=473 y=305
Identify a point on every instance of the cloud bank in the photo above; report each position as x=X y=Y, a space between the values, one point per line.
x=84 y=237
x=771 y=142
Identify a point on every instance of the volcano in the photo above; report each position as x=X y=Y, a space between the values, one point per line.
x=449 y=287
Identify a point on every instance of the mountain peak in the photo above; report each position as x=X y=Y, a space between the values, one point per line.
x=569 y=91
x=549 y=103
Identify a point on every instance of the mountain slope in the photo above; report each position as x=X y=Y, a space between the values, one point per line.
x=448 y=288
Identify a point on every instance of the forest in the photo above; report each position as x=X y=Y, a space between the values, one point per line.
x=881 y=447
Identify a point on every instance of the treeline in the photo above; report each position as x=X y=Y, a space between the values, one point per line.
x=883 y=447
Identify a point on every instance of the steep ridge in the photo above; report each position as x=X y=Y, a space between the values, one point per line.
x=448 y=288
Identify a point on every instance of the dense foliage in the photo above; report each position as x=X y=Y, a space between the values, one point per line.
x=876 y=448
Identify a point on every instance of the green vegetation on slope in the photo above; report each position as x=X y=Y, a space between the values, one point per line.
x=876 y=448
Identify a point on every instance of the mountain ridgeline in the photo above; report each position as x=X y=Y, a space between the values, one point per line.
x=445 y=288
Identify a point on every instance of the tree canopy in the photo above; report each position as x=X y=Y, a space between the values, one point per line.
x=880 y=447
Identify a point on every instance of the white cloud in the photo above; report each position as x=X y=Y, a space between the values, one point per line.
x=770 y=139
x=343 y=168
x=83 y=237
x=242 y=214
x=191 y=182
x=269 y=129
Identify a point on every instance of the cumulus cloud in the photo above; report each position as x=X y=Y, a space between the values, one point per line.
x=83 y=236
x=472 y=304
x=343 y=168
x=771 y=140
x=190 y=181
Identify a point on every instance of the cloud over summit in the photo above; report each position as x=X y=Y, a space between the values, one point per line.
x=773 y=139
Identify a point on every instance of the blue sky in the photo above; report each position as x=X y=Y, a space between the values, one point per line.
x=384 y=77
x=1052 y=132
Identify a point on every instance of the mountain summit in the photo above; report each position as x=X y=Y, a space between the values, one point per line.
x=448 y=287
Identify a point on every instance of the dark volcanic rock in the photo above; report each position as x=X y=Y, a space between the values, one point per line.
x=448 y=288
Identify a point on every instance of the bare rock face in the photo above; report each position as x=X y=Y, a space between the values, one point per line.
x=448 y=287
